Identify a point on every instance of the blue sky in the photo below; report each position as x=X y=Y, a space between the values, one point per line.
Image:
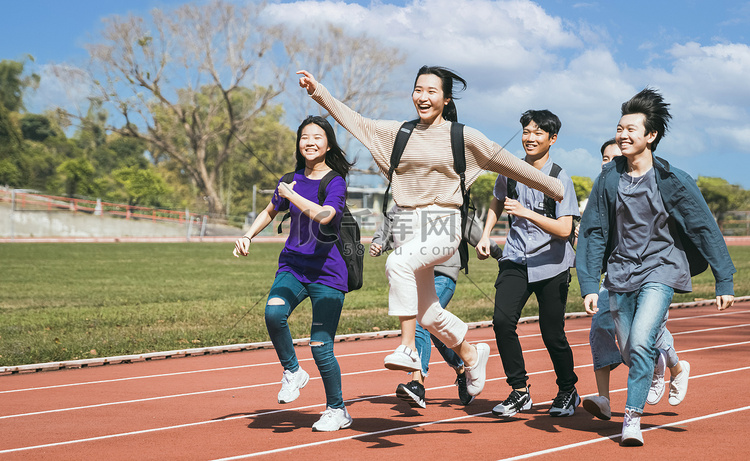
x=579 y=60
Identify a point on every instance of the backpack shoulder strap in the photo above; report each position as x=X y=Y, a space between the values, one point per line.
x=324 y=184
x=458 y=147
x=550 y=207
x=511 y=190
x=287 y=178
x=555 y=171
x=402 y=137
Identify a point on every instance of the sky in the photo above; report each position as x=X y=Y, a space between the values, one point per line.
x=579 y=60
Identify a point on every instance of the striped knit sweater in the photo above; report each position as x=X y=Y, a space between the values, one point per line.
x=425 y=174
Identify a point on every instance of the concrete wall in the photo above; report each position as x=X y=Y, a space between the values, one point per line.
x=21 y=224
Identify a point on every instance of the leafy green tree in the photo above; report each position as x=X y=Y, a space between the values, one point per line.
x=481 y=193
x=583 y=186
x=13 y=83
x=144 y=187
x=35 y=127
x=78 y=177
x=722 y=197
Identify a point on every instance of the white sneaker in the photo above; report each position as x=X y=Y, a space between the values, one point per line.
x=333 y=419
x=679 y=384
x=476 y=375
x=598 y=406
x=403 y=358
x=631 y=429
x=656 y=392
x=291 y=383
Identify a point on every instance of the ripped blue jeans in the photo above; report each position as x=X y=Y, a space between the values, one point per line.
x=327 y=303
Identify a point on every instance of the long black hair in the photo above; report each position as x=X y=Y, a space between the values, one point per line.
x=335 y=157
x=447 y=76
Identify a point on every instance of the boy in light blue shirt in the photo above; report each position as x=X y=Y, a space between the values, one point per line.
x=537 y=258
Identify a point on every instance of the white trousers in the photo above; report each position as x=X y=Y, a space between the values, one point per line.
x=423 y=237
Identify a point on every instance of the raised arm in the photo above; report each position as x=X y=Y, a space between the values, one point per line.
x=377 y=136
x=483 y=154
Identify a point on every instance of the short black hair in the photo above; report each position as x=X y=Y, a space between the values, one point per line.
x=608 y=142
x=656 y=112
x=544 y=119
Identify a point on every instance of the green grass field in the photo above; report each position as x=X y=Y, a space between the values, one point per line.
x=75 y=301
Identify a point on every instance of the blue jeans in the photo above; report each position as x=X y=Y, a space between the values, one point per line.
x=638 y=317
x=602 y=338
x=327 y=303
x=444 y=287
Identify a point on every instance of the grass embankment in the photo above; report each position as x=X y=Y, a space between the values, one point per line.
x=76 y=301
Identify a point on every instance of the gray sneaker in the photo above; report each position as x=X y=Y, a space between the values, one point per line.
x=598 y=406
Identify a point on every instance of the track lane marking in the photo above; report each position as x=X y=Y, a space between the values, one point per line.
x=201 y=423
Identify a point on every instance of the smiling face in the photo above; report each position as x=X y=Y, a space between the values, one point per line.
x=429 y=99
x=313 y=144
x=631 y=136
x=610 y=152
x=536 y=142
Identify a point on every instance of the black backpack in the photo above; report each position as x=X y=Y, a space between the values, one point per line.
x=459 y=164
x=550 y=207
x=347 y=238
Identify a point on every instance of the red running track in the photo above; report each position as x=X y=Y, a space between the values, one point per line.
x=224 y=406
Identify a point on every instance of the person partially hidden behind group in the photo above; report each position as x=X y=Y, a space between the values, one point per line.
x=427 y=194
x=309 y=265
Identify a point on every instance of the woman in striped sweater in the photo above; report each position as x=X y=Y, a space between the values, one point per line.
x=426 y=217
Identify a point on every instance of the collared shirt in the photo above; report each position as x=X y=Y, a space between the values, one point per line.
x=544 y=256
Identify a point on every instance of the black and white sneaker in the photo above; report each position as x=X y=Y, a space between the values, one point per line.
x=565 y=403
x=463 y=393
x=411 y=393
x=516 y=401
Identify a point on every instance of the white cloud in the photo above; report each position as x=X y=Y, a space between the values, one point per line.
x=61 y=86
x=512 y=38
x=707 y=86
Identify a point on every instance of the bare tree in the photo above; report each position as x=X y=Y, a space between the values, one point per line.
x=356 y=69
x=180 y=81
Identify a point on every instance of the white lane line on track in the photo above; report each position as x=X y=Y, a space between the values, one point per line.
x=179 y=373
x=443 y=421
x=369 y=434
x=229 y=389
x=616 y=436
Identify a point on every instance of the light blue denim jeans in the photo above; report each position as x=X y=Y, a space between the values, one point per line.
x=638 y=316
x=602 y=338
x=327 y=303
x=444 y=287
